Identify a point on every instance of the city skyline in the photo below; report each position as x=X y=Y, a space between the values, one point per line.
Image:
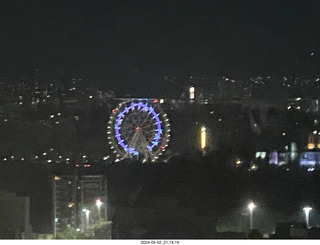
x=159 y=119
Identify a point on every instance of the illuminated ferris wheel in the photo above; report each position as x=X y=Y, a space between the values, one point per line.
x=138 y=129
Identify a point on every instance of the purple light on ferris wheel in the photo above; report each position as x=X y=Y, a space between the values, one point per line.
x=141 y=107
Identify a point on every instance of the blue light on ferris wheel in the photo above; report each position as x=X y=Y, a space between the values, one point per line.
x=145 y=108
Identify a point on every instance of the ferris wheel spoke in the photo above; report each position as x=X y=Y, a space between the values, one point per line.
x=144 y=121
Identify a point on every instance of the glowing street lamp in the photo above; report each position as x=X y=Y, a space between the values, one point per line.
x=99 y=203
x=87 y=212
x=307 y=213
x=251 y=206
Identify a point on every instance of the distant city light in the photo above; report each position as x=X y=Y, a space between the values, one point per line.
x=191 y=93
x=311 y=146
x=57 y=178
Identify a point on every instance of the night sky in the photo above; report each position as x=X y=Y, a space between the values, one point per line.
x=135 y=43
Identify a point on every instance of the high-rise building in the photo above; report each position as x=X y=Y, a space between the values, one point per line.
x=79 y=202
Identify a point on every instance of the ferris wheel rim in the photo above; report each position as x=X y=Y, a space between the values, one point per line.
x=122 y=115
x=158 y=134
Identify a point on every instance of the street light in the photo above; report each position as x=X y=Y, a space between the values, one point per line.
x=98 y=203
x=87 y=212
x=307 y=213
x=251 y=206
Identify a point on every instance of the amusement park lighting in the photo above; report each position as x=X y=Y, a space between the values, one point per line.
x=156 y=124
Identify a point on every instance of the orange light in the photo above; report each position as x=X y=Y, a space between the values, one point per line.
x=155 y=101
x=137 y=128
x=311 y=146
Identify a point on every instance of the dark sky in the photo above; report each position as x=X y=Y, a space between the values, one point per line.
x=137 y=42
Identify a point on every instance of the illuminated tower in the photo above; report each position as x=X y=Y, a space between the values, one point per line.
x=203 y=138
